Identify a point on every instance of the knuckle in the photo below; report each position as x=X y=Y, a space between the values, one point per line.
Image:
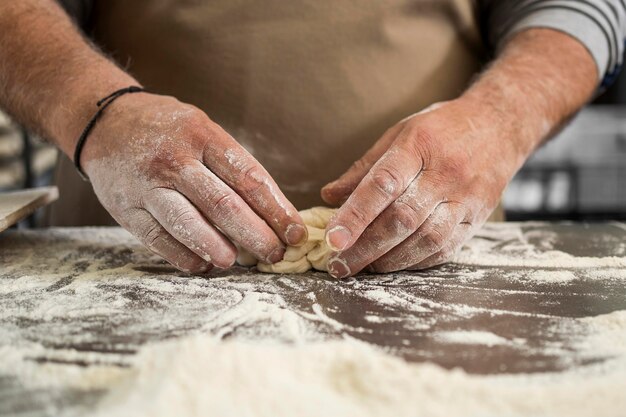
x=387 y=180
x=161 y=161
x=182 y=220
x=405 y=215
x=357 y=215
x=421 y=136
x=433 y=239
x=225 y=203
x=152 y=236
x=195 y=121
x=425 y=135
x=196 y=128
x=252 y=178
x=422 y=144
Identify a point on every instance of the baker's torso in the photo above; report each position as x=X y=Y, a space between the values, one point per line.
x=306 y=86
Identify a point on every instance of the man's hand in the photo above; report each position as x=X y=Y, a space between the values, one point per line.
x=419 y=192
x=164 y=171
x=435 y=177
x=184 y=187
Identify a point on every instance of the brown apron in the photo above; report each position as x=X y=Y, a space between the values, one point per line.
x=307 y=86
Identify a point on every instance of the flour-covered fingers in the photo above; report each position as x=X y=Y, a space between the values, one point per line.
x=461 y=233
x=247 y=177
x=337 y=192
x=185 y=223
x=154 y=236
x=384 y=183
x=399 y=221
x=429 y=239
x=227 y=211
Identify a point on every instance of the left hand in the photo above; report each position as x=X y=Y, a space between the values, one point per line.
x=421 y=190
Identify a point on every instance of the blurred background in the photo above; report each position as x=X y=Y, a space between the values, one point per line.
x=578 y=175
x=581 y=173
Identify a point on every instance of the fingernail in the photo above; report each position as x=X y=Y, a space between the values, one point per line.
x=329 y=185
x=222 y=265
x=338 y=268
x=296 y=234
x=201 y=269
x=276 y=255
x=338 y=238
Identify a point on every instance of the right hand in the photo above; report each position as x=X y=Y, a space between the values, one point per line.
x=184 y=187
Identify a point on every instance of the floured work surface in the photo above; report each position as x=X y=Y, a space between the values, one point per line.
x=532 y=315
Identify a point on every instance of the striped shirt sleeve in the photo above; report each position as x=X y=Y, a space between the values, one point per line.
x=600 y=25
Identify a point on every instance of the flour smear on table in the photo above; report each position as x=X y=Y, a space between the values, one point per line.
x=282 y=363
x=201 y=376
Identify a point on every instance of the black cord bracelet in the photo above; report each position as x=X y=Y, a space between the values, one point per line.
x=102 y=104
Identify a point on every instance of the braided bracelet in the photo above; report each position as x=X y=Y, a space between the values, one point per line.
x=102 y=104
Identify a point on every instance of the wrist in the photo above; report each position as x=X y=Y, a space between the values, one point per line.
x=79 y=106
x=102 y=104
x=501 y=121
x=541 y=78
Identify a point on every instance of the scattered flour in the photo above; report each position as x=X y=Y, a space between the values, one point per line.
x=199 y=376
x=254 y=349
x=549 y=276
x=512 y=247
x=606 y=334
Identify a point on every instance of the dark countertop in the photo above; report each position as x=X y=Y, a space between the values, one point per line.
x=511 y=303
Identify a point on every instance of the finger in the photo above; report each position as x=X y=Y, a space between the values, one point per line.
x=227 y=211
x=336 y=192
x=399 y=221
x=384 y=183
x=461 y=233
x=185 y=223
x=429 y=239
x=149 y=232
x=244 y=174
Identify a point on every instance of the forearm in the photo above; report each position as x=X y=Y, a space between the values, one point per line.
x=539 y=80
x=50 y=77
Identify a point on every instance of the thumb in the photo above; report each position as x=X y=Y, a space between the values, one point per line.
x=337 y=192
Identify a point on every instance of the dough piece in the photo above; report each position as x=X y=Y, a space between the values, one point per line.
x=317 y=217
x=313 y=254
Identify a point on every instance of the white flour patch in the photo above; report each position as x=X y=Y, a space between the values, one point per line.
x=374 y=318
x=607 y=334
x=350 y=378
x=471 y=337
x=382 y=297
x=512 y=247
x=607 y=274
